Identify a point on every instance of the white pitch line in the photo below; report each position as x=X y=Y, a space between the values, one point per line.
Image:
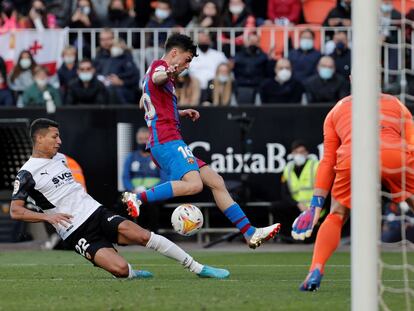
x=162 y=265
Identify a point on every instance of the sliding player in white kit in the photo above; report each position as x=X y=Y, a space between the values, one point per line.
x=83 y=223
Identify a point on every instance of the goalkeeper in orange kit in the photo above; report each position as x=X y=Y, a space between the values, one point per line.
x=334 y=174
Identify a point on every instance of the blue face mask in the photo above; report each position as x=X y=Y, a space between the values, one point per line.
x=386 y=7
x=325 y=73
x=306 y=44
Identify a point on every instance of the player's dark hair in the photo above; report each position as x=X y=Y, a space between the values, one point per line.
x=298 y=143
x=180 y=41
x=41 y=124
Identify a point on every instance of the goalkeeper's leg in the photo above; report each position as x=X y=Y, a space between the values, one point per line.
x=327 y=240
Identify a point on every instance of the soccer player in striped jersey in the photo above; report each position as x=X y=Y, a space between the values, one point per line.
x=187 y=173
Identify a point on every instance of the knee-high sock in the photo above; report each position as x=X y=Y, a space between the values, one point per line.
x=158 y=193
x=167 y=248
x=236 y=215
x=327 y=240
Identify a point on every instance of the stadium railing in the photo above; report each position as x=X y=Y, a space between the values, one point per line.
x=274 y=39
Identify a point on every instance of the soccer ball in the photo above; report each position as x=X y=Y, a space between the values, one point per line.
x=187 y=219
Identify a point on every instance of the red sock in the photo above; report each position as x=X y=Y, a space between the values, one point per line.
x=327 y=240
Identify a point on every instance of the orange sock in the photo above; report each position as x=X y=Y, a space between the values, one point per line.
x=327 y=240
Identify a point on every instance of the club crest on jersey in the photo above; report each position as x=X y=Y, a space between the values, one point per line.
x=16 y=186
x=190 y=160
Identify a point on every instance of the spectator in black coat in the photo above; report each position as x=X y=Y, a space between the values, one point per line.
x=86 y=89
x=249 y=69
x=119 y=74
x=283 y=88
x=338 y=16
x=342 y=55
x=162 y=18
x=327 y=86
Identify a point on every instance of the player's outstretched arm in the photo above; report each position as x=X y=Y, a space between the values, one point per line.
x=19 y=212
x=192 y=114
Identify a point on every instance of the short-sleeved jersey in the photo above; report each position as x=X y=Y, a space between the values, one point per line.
x=160 y=103
x=396 y=132
x=49 y=184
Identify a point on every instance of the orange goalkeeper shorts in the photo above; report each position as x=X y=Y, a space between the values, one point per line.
x=397 y=176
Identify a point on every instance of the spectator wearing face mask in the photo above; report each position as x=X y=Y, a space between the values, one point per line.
x=238 y=15
x=163 y=19
x=21 y=76
x=297 y=186
x=208 y=17
x=118 y=16
x=39 y=17
x=204 y=66
x=342 y=55
x=41 y=93
x=86 y=89
x=119 y=74
x=84 y=15
x=188 y=90
x=140 y=172
x=67 y=70
x=250 y=65
x=283 y=88
x=305 y=59
x=220 y=91
x=326 y=86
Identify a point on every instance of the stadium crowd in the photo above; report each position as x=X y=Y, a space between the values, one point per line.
x=251 y=74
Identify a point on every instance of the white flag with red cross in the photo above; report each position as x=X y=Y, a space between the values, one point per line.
x=45 y=46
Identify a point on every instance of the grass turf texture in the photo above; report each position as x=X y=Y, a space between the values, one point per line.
x=62 y=280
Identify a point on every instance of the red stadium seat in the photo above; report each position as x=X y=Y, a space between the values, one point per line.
x=294 y=36
x=315 y=11
x=273 y=37
x=409 y=4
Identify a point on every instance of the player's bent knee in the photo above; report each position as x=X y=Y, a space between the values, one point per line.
x=218 y=183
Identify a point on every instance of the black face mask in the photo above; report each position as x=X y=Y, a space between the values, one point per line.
x=252 y=49
x=204 y=47
x=340 y=46
x=116 y=14
x=142 y=147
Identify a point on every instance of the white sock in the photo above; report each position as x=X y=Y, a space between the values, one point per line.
x=170 y=249
x=131 y=273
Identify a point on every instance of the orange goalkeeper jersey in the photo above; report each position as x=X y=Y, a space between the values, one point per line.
x=396 y=132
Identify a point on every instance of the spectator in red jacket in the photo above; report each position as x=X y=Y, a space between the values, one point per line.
x=283 y=12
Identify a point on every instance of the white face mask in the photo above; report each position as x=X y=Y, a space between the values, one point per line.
x=299 y=159
x=25 y=63
x=284 y=75
x=116 y=51
x=85 y=76
x=69 y=59
x=41 y=83
x=162 y=14
x=236 y=9
x=222 y=78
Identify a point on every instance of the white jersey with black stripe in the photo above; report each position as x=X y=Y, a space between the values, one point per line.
x=49 y=184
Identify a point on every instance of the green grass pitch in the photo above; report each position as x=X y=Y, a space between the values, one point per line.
x=62 y=280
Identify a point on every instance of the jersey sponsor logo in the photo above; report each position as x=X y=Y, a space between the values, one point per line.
x=16 y=186
x=62 y=177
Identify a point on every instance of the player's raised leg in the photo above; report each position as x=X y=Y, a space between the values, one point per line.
x=327 y=241
x=131 y=233
x=254 y=236
x=111 y=261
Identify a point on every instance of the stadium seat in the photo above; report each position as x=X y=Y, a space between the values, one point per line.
x=273 y=37
x=315 y=11
x=295 y=35
x=409 y=4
